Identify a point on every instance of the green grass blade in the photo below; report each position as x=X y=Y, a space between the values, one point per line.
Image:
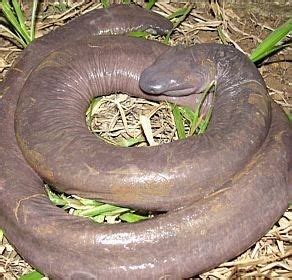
x=179 y=123
x=262 y=55
x=221 y=35
x=54 y=198
x=105 y=4
x=95 y=103
x=73 y=203
x=177 y=13
x=188 y=114
x=184 y=13
x=102 y=209
x=15 y=37
x=150 y=4
x=117 y=212
x=271 y=41
x=130 y=142
x=195 y=124
x=8 y=12
x=132 y=218
x=33 y=16
x=198 y=120
x=88 y=202
x=34 y=275
x=19 y=14
x=138 y=34
x=204 y=124
x=99 y=219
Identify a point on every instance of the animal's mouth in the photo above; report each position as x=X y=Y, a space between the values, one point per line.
x=175 y=90
x=180 y=91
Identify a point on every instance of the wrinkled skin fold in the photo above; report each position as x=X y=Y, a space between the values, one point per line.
x=237 y=171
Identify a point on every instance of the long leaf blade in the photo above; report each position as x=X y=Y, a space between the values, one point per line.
x=34 y=275
x=179 y=123
x=150 y=4
x=33 y=16
x=19 y=14
x=15 y=37
x=8 y=12
x=271 y=41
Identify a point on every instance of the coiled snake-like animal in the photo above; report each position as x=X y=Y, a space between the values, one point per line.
x=236 y=171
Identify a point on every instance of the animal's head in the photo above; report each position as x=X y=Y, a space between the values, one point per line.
x=179 y=71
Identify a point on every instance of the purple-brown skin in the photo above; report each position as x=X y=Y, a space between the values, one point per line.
x=148 y=178
x=236 y=172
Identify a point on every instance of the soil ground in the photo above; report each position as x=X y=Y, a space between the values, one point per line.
x=240 y=23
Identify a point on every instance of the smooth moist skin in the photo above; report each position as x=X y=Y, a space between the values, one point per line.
x=236 y=172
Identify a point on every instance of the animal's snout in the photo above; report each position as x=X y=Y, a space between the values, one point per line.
x=154 y=89
x=150 y=85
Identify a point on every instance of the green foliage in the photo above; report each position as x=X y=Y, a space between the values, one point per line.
x=132 y=218
x=15 y=22
x=180 y=15
x=105 y=3
x=138 y=34
x=272 y=42
x=177 y=113
x=150 y=4
x=97 y=211
x=34 y=275
x=192 y=121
